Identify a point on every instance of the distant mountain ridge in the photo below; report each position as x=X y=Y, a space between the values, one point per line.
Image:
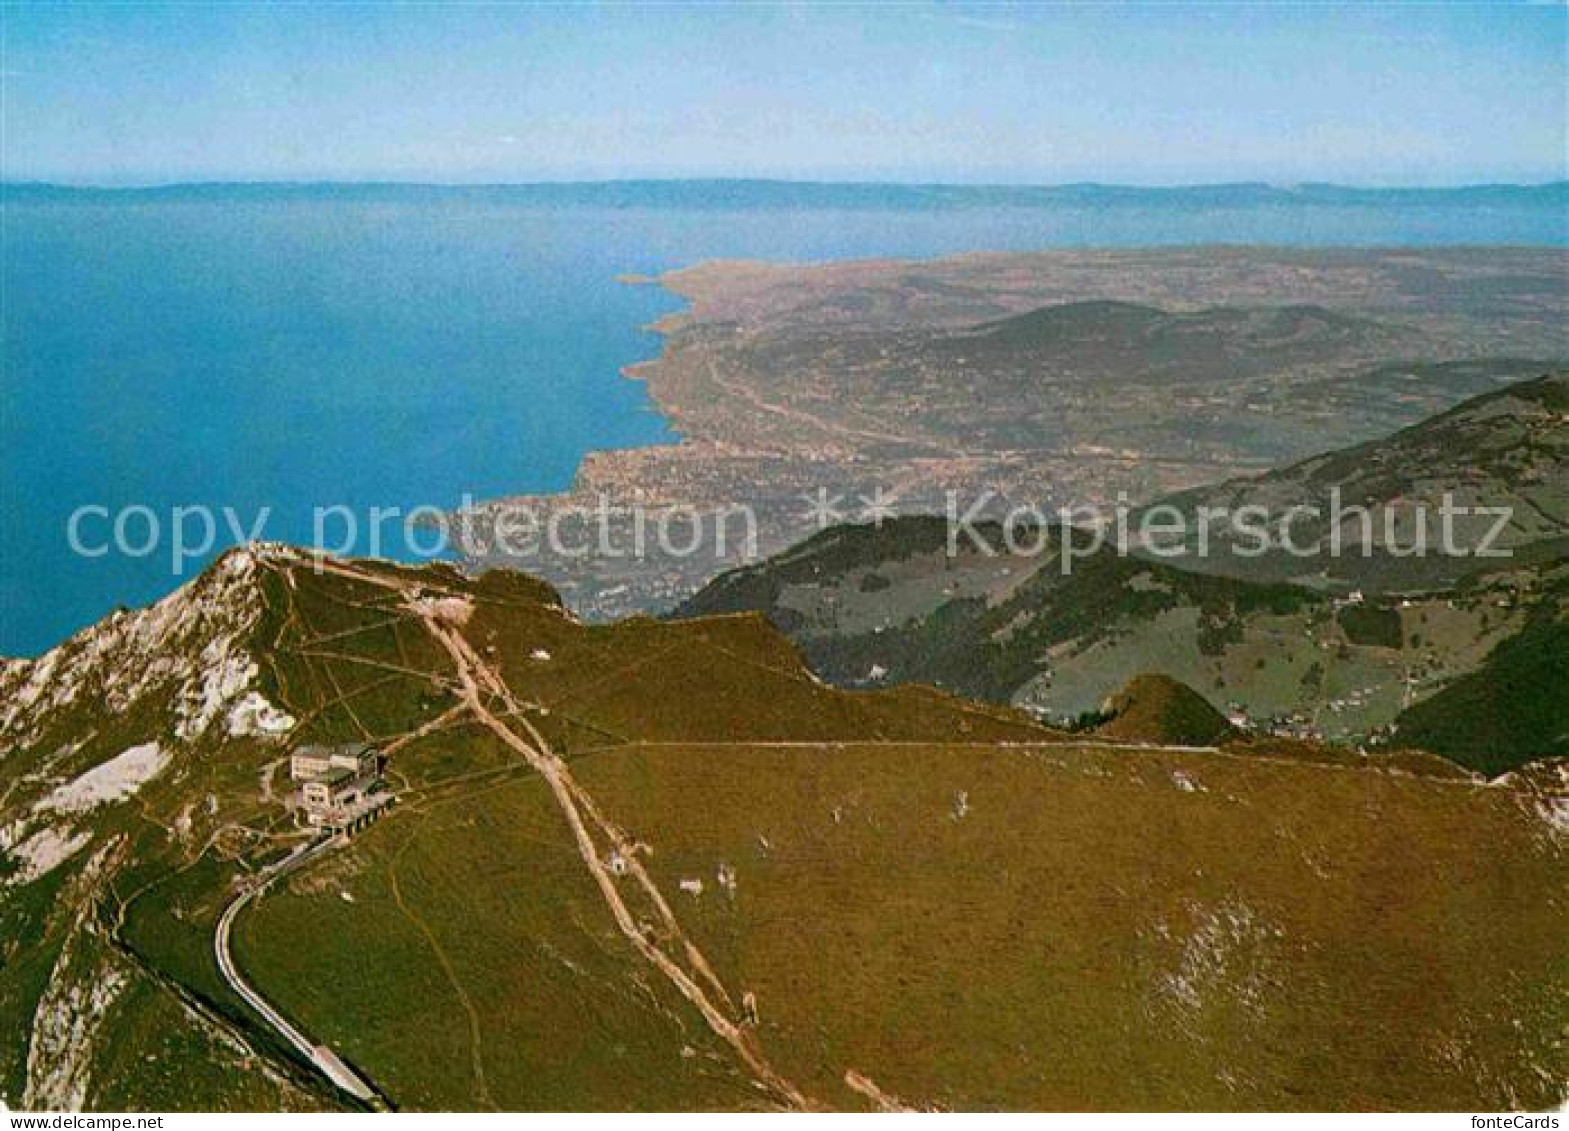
x=871 y=606
x=1113 y=343
x=767 y=193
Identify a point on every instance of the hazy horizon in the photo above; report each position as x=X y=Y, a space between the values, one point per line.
x=994 y=94
x=91 y=183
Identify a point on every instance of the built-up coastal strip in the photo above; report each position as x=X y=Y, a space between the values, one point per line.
x=1046 y=379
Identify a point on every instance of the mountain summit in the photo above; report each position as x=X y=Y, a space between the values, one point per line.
x=569 y=891
x=1157 y=709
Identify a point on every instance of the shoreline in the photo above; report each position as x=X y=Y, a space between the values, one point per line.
x=779 y=380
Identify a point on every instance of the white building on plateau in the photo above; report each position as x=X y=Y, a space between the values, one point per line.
x=311 y=762
x=338 y=784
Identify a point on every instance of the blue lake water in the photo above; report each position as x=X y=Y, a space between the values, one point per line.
x=308 y=348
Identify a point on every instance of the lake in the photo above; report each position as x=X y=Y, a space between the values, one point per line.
x=289 y=348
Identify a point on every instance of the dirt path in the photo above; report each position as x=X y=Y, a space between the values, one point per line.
x=580 y=813
x=866 y=1087
x=445 y=719
x=476 y=681
x=476 y=1037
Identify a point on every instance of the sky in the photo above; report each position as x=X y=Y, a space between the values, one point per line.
x=969 y=93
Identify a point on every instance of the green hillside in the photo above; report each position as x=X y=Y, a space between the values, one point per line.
x=1018 y=629
x=1506 y=450
x=263 y=652
x=965 y=927
x=1291 y=644
x=1157 y=709
x=661 y=866
x=1512 y=710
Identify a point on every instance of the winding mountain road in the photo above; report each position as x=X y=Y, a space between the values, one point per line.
x=322 y=1057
